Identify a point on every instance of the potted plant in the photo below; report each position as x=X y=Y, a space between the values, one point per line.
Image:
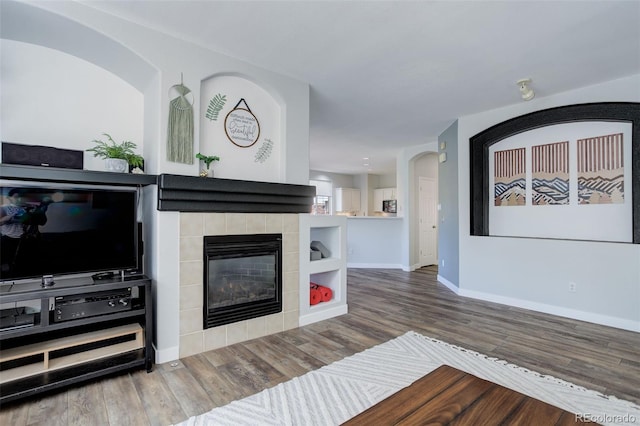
x=117 y=156
x=207 y=160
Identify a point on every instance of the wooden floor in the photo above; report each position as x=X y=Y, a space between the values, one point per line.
x=383 y=304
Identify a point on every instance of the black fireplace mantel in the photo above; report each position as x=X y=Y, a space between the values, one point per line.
x=204 y=194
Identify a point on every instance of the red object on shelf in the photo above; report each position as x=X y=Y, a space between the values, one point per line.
x=326 y=292
x=315 y=296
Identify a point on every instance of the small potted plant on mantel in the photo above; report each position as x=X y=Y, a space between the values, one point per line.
x=207 y=160
x=117 y=157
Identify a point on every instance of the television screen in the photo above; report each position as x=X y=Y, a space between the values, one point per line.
x=59 y=229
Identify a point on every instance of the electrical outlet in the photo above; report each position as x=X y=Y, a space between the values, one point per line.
x=350 y=250
x=442 y=262
x=572 y=287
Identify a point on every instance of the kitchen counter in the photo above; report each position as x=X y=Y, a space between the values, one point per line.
x=374 y=242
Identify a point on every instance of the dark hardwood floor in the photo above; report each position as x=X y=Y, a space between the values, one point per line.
x=383 y=304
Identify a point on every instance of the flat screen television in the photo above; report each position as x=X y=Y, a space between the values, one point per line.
x=63 y=229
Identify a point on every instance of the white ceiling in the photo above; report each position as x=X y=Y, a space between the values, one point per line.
x=385 y=75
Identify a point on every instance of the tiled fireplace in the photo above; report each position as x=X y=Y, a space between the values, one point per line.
x=224 y=207
x=193 y=227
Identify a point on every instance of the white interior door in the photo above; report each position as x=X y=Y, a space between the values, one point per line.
x=428 y=219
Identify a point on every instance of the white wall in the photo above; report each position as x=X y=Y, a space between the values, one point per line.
x=535 y=273
x=171 y=58
x=426 y=166
x=338 y=180
x=374 y=242
x=51 y=98
x=387 y=181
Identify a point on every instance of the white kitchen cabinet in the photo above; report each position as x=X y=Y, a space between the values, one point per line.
x=347 y=200
x=381 y=194
x=389 y=193
x=378 y=197
x=330 y=272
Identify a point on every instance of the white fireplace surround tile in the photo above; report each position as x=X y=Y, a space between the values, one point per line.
x=193 y=227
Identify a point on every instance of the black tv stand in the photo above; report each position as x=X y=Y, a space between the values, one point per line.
x=12 y=318
x=50 y=354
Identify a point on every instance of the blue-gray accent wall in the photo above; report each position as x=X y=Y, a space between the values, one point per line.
x=448 y=235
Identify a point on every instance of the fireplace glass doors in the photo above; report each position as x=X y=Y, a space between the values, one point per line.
x=242 y=277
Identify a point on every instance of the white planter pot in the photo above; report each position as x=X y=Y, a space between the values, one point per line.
x=116 y=165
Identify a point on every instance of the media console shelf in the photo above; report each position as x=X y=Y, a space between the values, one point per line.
x=52 y=353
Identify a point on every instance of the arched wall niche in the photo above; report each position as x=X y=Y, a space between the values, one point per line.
x=261 y=161
x=30 y=24
x=55 y=99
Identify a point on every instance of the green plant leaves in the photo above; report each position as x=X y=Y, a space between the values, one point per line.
x=264 y=151
x=215 y=106
x=207 y=159
x=110 y=149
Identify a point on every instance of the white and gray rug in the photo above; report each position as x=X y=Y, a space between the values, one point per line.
x=335 y=393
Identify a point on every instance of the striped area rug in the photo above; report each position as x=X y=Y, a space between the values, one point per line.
x=335 y=393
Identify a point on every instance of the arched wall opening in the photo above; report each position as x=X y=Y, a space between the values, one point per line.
x=261 y=160
x=88 y=55
x=422 y=164
x=407 y=187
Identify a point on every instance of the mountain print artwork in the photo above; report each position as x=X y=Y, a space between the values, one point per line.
x=550 y=174
x=601 y=170
x=509 y=177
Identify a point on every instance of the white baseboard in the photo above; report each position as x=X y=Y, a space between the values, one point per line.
x=167 y=355
x=576 y=314
x=323 y=315
x=451 y=286
x=411 y=268
x=375 y=265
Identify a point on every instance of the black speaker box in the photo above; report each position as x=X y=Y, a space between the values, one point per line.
x=36 y=155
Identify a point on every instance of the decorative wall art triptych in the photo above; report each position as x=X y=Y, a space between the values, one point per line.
x=600 y=172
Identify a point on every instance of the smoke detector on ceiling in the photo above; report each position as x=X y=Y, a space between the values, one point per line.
x=526 y=91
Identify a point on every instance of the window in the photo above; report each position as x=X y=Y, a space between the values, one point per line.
x=322 y=200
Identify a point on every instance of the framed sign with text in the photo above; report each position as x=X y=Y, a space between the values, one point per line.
x=241 y=126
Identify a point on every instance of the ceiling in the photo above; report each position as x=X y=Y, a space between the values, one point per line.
x=385 y=75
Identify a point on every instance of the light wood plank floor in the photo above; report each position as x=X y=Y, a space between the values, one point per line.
x=383 y=304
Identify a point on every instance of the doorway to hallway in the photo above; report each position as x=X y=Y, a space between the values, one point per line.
x=427 y=222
